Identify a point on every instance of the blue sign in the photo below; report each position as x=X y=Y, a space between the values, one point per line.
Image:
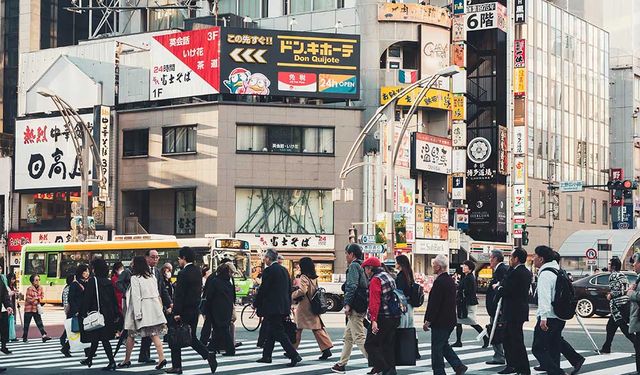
x=458 y=6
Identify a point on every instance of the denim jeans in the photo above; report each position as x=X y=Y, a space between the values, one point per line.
x=440 y=349
x=547 y=345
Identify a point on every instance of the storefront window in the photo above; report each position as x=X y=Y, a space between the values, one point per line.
x=185 y=212
x=49 y=211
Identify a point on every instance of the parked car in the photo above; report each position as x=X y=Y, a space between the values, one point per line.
x=334 y=294
x=591 y=292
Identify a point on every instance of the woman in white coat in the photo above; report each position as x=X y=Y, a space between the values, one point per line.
x=143 y=315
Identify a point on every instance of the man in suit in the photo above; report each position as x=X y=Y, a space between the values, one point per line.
x=152 y=257
x=273 y=303
x=496 y=261
x=514 y=291
x=185 y=308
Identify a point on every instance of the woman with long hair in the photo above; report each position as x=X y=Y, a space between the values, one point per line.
x=32 y=306
x=220 y=296
x=467 y=303
x=404 y=282
x=99 y=296
x=304 y=316
x=143 y=315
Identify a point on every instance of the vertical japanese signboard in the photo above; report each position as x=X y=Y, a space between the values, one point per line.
x=520 y=11
x=185 y=64
x=47 y=154
x=519 y=68
x=103 y=119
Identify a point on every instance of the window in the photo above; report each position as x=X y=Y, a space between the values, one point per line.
x=569 y=208
x=542 y=203
x=299 y=6
x=51 y=211
x=594 y=213
x=35 y=264
x=581 y=209
x=605 y=212
x=324 y=4
x=285 y=139
x=528 y=203
x=179 y=139
x=135 y=142
x=185 y=212
x=52 y=265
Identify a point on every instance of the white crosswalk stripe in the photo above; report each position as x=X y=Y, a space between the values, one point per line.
x=45 y=358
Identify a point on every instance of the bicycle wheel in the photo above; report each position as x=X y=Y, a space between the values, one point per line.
x=249 y=318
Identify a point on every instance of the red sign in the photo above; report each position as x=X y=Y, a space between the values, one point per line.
x=296 y=81
x=17 y=239
x=519 y=220
x=519 y=57
x=591 y=254
x=616 y=174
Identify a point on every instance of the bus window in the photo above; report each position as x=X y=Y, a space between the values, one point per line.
x=52 y=265
x=35 y=264
x=69 y=261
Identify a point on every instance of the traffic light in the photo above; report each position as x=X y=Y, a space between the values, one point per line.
x=525 y=235
x=622 y=188
x=353 y=235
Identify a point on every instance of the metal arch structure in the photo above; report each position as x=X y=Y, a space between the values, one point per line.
x=83 y=142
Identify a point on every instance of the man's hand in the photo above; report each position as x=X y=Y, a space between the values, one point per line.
x=374 y=327
x=608 y=296
x=347 y=310
x=177 y=318
x=496 y=285
x=426 y=326
x=543 y=325
x=9 y=310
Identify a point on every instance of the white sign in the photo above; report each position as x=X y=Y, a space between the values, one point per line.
x=46 y=155
x=571 y=186
x=458 y=190
x=62 y=237
x=459 y=134
x=459 y=161
x=434 y=47
x=486 y=16
x=105 y=138
x=432 y=154
x=458 y=31
x=519 y=199
x=372 y=248
x=519 y=173
x=367 y=238
x=454 y=239
x=432 y=247
x=592 y=262
x=460 y=82
x=519 y=140
x=290 y=241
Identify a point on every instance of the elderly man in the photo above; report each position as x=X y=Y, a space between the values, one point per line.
x=441 y=318
x=496 y=261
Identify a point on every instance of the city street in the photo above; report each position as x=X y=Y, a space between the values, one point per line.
x=49 y=360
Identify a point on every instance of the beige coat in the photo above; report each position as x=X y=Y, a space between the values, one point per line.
x=305 y=318
x=144 y=306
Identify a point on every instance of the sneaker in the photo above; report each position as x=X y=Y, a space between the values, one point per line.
x=339 y=369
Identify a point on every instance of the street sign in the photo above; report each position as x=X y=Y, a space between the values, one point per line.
x=517 y=233
x=591 y=253
x=571 y=186
x=372 y=248
x=519 y=219
x=367 y=239
x=592 y=262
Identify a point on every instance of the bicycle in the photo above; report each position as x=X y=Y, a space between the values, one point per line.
x=249 y=316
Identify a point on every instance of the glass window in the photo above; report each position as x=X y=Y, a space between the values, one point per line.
x=179 y=139
x=49 y=211
x=252 y=138
x=569 y=208
x=542 y=203
x=249 y=8
x=285 y=139
x=227 y=6
x=185 y=212
x=70 y=260
x=581 y=209
x=299 y=6
x=135 y=142
x=602 y=280
x=35 y=264
x=594 y=212
x=605 y=212
x=324 y=4
x=52 y=265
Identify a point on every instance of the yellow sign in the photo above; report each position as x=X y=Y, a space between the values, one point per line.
x=414 y=13
x=459 y=108
x=519 y=81
x=437 y=99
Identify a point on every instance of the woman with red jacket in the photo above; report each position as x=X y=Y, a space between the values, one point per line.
x=117 y=269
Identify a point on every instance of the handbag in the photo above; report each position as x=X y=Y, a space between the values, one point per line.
x=94 y=320
x=39 y=309
x=12 y=327
x=179 y=335
x=290 y=328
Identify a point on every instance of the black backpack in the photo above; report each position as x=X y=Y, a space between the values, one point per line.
x=416 y=299
x=319 y=304
x=564 y=302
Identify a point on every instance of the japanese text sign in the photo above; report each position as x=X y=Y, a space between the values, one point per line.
x=486 y=16
x=438 y=99
x=431 y=154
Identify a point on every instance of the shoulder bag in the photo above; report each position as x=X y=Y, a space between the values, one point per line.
x=179 y=335
x=94 y=319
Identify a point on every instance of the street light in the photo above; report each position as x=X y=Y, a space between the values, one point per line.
x=83 y=144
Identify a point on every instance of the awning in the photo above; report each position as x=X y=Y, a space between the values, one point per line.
x=621 y=240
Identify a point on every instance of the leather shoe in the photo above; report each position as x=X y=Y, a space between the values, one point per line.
x=578 y=366
x=3 y=369
x=460 y=370
x=147 y=361
x=213 y=363
x=492 y=362
x=264 y=360
x=540 y=368
x=507 y=370
x=173 y=371
x=295 y=360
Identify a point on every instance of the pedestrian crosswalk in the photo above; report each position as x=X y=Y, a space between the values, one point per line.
x=45 y=358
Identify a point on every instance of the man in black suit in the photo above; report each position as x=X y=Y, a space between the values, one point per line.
x=152 y=257
x=514 y=291
x=273 y=303
x=496 y=261
x=185 y=308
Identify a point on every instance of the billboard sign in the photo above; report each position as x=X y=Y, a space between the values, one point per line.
x=185 y=64
x=414 y=13
x=431 y=154
x=47 y=154
x=520 y=11
x=289 y=63
x=103 y=119
x=435 y=46
x=486 y=16
x=434 y=98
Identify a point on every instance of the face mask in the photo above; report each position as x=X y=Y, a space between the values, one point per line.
x=167 y=275
x=119 y=272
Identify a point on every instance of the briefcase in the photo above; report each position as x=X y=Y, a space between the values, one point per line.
x=290 y=329
x=406 y=347
x=179 y=336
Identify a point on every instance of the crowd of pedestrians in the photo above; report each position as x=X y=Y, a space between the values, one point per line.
x=140 y=304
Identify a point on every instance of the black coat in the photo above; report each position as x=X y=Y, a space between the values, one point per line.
x=441 y=307
x=515 y=294
x=187 y=292
x=274 y=294
x=4 y=295
x=498 y=276
x=108 y=308
x=167 y=287
x=164 y=293
x=467 y=290
x=220 y=295
x=76 y=290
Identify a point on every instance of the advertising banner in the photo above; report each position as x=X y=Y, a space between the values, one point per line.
x=519 y=55
x=104 y=127
x=400 y=230
x=459 y=111
x=414 y=13
x=459 y=134
x=458 y=190
x=404 y=152
x=290 y=241
x=432 y=247
x=519 y=111
x=185 y=64
x=431 y=154
x=437 y=99
x=519 y=171
x=47 y=154
x=519 y=140
x=520 y=9
x=503 y=151
x=459 y=161
x=289 y=63
x=486 y=16
x=519 y=199
x=458 y=6
x=458 y=30
x=404 y=200
x=18 y=239
x=459 y=55
x=435 y=48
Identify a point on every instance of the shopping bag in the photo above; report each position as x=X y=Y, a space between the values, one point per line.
x=12 y=327
x=75 y=345
x=406 y=347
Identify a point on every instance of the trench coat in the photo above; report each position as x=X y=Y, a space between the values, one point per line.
x=304 y=317
x=144 y=306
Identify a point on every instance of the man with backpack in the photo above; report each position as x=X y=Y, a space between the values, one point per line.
x=356 y=301
x=547 y=336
